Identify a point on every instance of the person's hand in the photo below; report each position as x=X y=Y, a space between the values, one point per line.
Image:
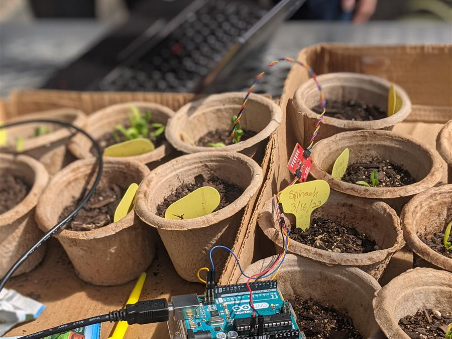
x=363 y=9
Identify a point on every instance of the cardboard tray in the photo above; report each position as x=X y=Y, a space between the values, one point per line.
x=54 y=282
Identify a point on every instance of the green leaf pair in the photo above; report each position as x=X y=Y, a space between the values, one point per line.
x=447 y=243
x=373 y=180
x=238 y=133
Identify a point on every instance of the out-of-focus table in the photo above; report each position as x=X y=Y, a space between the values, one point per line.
x=30 y=52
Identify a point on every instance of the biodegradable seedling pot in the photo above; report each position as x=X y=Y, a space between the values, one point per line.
x=111 y=255
x=197 y=118
x=427 y=213
x=189 y=241
x=375 y=219
x=370 y=89
x=412 y=291
x=105 y=120
x=444 y=146
x=348 y=289
x=18 y=228
x=49 y=148
x=423 y=163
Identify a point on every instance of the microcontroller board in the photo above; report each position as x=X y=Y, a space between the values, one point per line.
x=228 y=314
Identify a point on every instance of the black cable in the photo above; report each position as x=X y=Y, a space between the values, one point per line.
x=71 y=215
x=142 y=312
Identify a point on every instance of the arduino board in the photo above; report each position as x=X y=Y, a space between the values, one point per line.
x=228 y=314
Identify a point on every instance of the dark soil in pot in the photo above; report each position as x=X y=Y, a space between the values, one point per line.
x=389 y=174
x=352 y=110
x=425 y=324
x=333 y=236
x=108 y=139
x=228 y=192
x=222 y=135
x=320 y=322
x=13 y=189
x=436 y=243
x=99 y=211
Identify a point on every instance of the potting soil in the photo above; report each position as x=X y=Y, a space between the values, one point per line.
x=222 y=135
x=13 y=189
x=352 y=110
x=436 y=243
x=389 y=174
x=228 y=192
x=318 y=321
x=107 y=139
x=99 y=211
x=330 y=235
x=426 y=324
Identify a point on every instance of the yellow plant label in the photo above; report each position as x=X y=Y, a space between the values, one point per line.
x=394 y=101
x=129 y=148
x=2 y=135
x=301 y=199
x=340 y=165
x=198 y=203
x=126 y=203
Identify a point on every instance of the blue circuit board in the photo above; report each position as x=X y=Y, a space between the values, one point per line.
x=231 y=311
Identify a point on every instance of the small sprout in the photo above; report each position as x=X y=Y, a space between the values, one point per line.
x=449 y=329
x=116 y=137
x=41 y=130
x=20 y=144
x=148 y=116
x=373 y=178
x=238 y=130
x=217 y=144
x=447 y=243
x=159 y=129
x=362 y=183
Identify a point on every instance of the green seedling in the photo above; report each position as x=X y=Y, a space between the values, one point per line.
x=139 y=127
x=447 y=243
x=238 y=130
x=41 y=130
x=373 y=180
x=449 y=329
x=20 y=144
x=217 y=144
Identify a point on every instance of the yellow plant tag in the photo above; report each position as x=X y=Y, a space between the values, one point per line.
x=129 y=148
x=301 y=199
x=340 y=165
x=126 y=203
x=2 y=135
x=394 y=101
x=198 y=203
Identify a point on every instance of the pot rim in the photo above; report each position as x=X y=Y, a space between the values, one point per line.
x=78 y=119
x=433 y=177
x=41 y=178
x=327 y=257
x=410 y=214
x=78 y=150
x=417 y=278
x=173 y=135
x=323 y=79
x=152 y=219
x=444 y=142
x=62 y=177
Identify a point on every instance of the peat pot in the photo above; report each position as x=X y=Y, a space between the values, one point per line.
x=444 y=146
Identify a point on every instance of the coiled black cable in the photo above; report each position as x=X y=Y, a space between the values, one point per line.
x=71 y=215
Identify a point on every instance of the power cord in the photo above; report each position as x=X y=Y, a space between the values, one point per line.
x=142 y=312
x=71 y=215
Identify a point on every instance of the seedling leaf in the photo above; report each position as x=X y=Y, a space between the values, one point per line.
x=41 y=130
x=363 y=183
x=123 y=131
x=217 y=144
x=238 y=130
x=148 y=116
x=159 y=131
x=373 y=178
x=447 y=243
x=20 y=144
x=449 y=330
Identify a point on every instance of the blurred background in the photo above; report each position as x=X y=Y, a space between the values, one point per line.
x=192 y=45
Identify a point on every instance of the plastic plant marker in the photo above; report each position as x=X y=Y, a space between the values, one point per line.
x=447 y=243
x=394 y=101
x=121 y=327
x=2 y=135
x=129 y=148
x=198 y=203
x=126 y=203
x=301 y=199
x=340 y=165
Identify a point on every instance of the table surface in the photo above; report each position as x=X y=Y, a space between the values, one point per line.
x=30 y=52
